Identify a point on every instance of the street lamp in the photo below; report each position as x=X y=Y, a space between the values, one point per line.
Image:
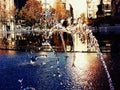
x=64 y=2
x=88 y=2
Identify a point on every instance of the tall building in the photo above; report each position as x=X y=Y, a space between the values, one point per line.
x=6 y=16
x=60 y=3
x=6 y=11
x=115 y=7
x=6 y=6
x=100 y=11
x=107 y=7
x=92 y=7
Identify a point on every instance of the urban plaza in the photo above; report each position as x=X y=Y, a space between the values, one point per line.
x=59 y=44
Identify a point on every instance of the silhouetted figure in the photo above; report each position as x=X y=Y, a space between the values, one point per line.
x=71 y=13
x=65 y=23
x=33 y=59
x=100 y=12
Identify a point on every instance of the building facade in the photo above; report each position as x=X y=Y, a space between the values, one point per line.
x=6 y=7
x=115 y=7
x=6 y=16
x=92 y=7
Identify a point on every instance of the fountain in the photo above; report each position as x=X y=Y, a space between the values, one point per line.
x=26 y=88
x=54 y=70
x=94 y=43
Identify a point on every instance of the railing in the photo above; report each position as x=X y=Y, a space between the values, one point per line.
x=106 y=29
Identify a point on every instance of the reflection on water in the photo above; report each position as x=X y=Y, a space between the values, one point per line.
x=80 y=61
x=7 y=52
x=87 y=74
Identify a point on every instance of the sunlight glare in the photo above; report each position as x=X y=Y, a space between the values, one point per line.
x=79 y=6
x=81 y=61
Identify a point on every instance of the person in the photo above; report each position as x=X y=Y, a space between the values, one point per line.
x=65 y=23
x=33 y=59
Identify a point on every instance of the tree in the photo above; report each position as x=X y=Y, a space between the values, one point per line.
x=3 y=12
x=60 y=11
x=14 y=12
x=31 y=12
x=82 y=17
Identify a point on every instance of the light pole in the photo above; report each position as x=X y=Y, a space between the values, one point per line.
x=87 y=3
x=45 y=15
x=64 y=2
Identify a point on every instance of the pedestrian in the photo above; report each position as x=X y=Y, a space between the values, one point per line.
x=65 y=23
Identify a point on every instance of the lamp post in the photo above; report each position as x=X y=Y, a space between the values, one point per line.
x=87 y=3
x=64 y=2
x=45 y=15
x=12 y=27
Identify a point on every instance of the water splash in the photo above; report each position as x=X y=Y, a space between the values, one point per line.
x=21 y=83
x=94 y=43
x=29 y=88
x=106 y=69
x=26 y=88
x=57 y=59
x=63 y=42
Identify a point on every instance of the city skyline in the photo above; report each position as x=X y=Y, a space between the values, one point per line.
x=79 y=6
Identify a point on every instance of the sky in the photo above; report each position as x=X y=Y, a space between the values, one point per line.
x=79 y=6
